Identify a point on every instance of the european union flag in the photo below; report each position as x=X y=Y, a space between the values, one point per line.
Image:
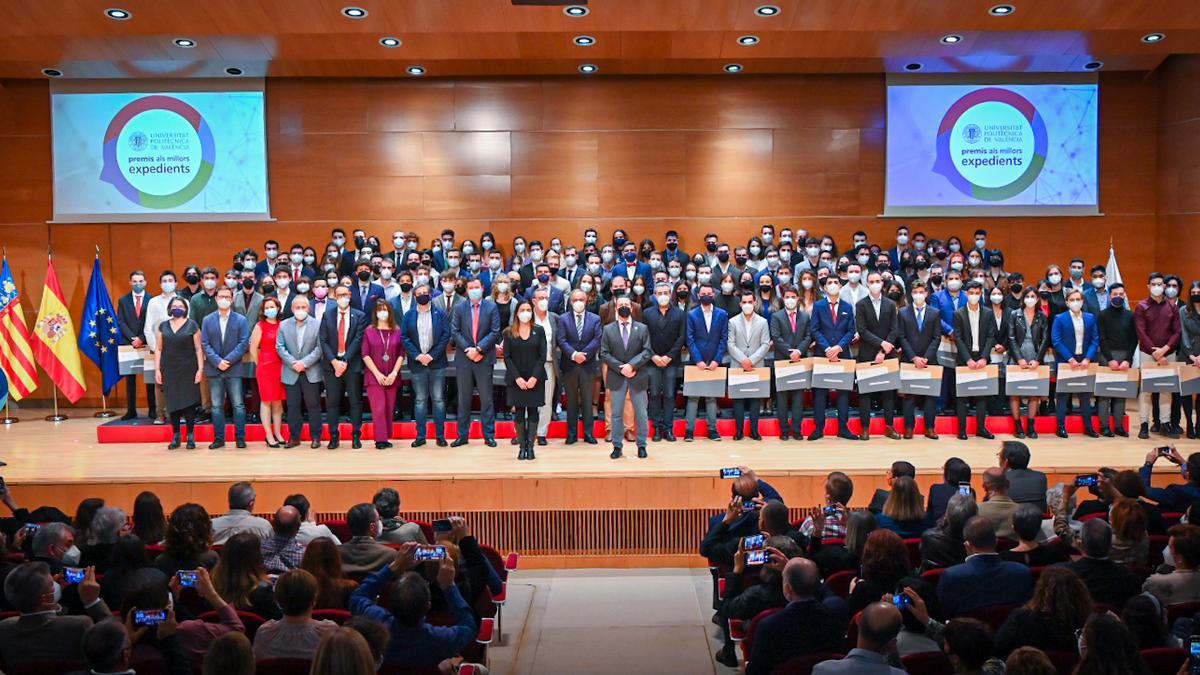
x=99 y=332
x=3 y=388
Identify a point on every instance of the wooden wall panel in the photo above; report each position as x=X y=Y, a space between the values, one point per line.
x=552 y=156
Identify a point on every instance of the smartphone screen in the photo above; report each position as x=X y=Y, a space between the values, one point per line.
x=74 y=575
x=732 y=472
x=1194 y=655
x=830 y=510
x=964 y=490
x=749 y=505
x=754 y=542
x=149 y=617
x=756 y=557
x=425 y=553
x=187 y=577
x=442 y=525
x=1164 y=451
x=1086 y=481
x=901 y=600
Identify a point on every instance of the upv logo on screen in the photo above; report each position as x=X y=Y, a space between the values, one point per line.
x=991 y=144
x=158 y=152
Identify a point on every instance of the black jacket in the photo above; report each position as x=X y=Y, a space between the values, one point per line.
x=668 y=333
x=939 y=549
x=1118 y=335
x=1018 y=327
x=1108 y=582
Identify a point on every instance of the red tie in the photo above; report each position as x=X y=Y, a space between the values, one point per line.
x=341 y=333
x=137 y=305
x=793 y=315
x=833 y=308
x=475 y=324
x=296 y=274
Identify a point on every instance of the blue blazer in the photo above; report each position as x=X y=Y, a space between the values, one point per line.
x=489 y=331
x=983 y=581
x=643 y=271
x=412 y=339
x=365 y=305
x=947 y=306
x=704 y=345
x=1062 y=336
x=588 y=342
x=231 y=349
x=826 y=333
x=556 y=298
x=485 y=277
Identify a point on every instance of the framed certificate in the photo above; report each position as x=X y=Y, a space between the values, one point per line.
x=1027 y=382
x=792 y=375
x=982 y=382
x=828 y=374
x=753 y=384
x=925 y=381
x=873 y=377
x=697 y=382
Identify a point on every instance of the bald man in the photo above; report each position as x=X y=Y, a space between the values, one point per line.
x=283 y=552
x=878 y=625
x=806 y=626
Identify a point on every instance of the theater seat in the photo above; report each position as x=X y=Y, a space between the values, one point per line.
x=838 y=583
x=913 y=546
x=1188 y=609
x=251 y=620
x=928 y=663
x=339 y=528
x=393 y=668
x=993 y=616
x=338 y=616
x=803 y=665
x=933 y=575
x=1064 y=661
x=282 y=666
x=1164 y=659
x=748 y=638
x=46 y=668
x=1157 y=543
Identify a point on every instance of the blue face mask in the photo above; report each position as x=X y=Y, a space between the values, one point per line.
x=1117 y=302
x=630 y=257
x=475 y=293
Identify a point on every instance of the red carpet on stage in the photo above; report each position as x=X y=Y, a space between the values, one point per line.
x=143 y=431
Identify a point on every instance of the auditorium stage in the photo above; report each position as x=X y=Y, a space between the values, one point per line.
x=572 y=507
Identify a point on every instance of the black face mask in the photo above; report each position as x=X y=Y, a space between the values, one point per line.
x=740 y=260
x=624 y=312
x=1045 y=295
x=405 y=288
x=1016 y=288
x=748 y=284
x=364 y=276
x=192 y=278
x=423 y=299
x=711 y=246
x=681 y=295
x=267 y=289
x=248 y=284
x=765 y=290
x=1194 y=299
x=921 y=264
x=723 y=257
x=706 y=299
x=935 y=279
x=996 y=261
x=895 y=296
x=360 y=242
x=671 y=246
x=618 y=242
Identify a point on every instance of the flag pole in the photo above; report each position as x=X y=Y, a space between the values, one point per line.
x=8 y=418
x=56 y=417
x=104 y=412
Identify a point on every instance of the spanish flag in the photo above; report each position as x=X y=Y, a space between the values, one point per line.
x=54 y=344
x=16 y=356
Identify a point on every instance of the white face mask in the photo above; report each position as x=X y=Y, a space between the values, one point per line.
x=1075 y=305
x=525 y=316
x=807 y=284
x=748 y=309
x=1156 y=290
x=973 y=298
x=997 y=298
x=578 y=306
x=585 y=286
x=385 y=273
x=536 y=255
x=875 y=288
x=382 y=316
x=955 y=248
x=727 y=287
x=755 y=250
x=639 y=289
x=502 y=286
x=954 y=284
x=662 y=300
x=790 y=303
x=343 y=302
x=570 y=260
x=1098 y=282
x=300 y=314
x=283 y=282
x=543 y=305
x=833 y=290
x=210 y=284
x=902 y=239
x=673 y=272
x=494 y=264
x=1031 y=301
x=1054 y=279
x=704 y=277
x=224 y=303
x=918 y=298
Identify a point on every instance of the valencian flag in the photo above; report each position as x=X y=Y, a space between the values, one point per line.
x=99 y=333
x=16 y=356
x=54 y=339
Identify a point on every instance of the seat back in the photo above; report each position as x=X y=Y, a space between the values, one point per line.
x=338 y=616
x=928 y=663
x=1164 y=659
x=1181 y=609
x=913 y=546
x=1064 y=661
x=250 y=620
x=933 y=575
x=495 y=560
x=748 y=641
x=282 y=666
x=993 y=615
x=426 y=529
x=1157 y=543
x=803 y=665
x=851 y=639
x=339 y=528
x=839 y=582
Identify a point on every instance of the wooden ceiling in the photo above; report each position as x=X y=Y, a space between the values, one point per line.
x=311 y=38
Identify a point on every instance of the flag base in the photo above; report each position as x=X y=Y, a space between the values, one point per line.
x=56 y=418
x=8 y=420
x=105 y=414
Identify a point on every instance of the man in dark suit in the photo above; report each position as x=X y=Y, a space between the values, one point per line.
x=543 y=282
x=974 y=338
x=625 y=348
x=671 y=250
x=41 y=633
x=296 y=267
x=579 y=348
x=1108 y=582
x=426 y=349
x=631 y=268
x=342 y=365
x=225 y=337
x=805 y=626
x=984 y=580
x=131 y=315
x=791 y=337
x=441 y=247
x=832 y=327
x=1025 y=485
x=668 y=333
x=707 y=338
x=266 y=266
x=896 y=255
x=475 y=329
x=1118 y=344
x=920 y=336
x=363 y=293
x=878 y=334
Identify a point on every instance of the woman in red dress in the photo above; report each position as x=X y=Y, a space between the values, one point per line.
x=268 y=372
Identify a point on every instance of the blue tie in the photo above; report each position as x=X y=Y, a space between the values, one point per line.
x=921 y=319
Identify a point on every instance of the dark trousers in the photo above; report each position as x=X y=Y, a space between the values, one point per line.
x=350 y=384
x=887 y=401
x=929 y=409
x=476 y=377
x=1111 y=406
x=1181 y=408
x=742 y=406
x=310 y=393
x=662 y=396
x=1085 y=409
x=188 y=414
x=789 y=410
x=960 y=407
x=578 y=383
x=131 y=394
x=821 y=399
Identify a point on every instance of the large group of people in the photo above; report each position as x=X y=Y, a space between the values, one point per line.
x=107 y=592
x=1028 y=578
x=523 y=327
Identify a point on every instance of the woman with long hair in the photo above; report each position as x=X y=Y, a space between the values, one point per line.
x=128 y=557
x=1107 y=647
x=188 y=541
x=322 y=560
x=525 y=374
x=267 y=372
x=382 y=354
x=84 y=513
x=240 y=577
x=149 y=523
x=884 y=564
x=178 y=367
x=1060 y=605
x=903 y=512
x=1131 y=542
x=230 y=654
x=343 y=652
x=848 y=556
x=1028 y=342
x=807 y=288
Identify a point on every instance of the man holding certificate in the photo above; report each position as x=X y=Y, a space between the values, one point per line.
x=832 y=327
x=920 y=335
x=974 y=338
x=789 y=334
x=707 y=335
x=1118 y=343
x=749 y=340
x=878 y=333
x=1076 y=344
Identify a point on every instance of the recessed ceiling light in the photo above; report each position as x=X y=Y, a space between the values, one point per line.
x=1151 y=38
x=52 y=72
x=588 y=68
x=913 y=66
x=951 y=39
x=576 y=10
x=1093 y=65
x=390 y=42
x=118 y=13
x=733 y=67
x=233 y=71
x=185 y=43
x=584 y=40
x=354 y=12
x=748 y=40
x=767 y=10
x=1002 y=10
x=416 y=70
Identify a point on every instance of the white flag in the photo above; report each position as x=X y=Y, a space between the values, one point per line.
x=1111 y=271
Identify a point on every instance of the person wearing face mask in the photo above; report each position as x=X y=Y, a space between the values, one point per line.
x=633 y=269
x=520 y=253
x=337 y=237
x=426 y=333
x=625 y=349
x=727 y=298
x=525 y=349
x=543 y=281
x=755 y=255
x=131 y=316
x=994 y=297
x=812 y=257
x=155 y=313
x=1015 y=283
x=877 y=320
x=707 y=337
x=578 y=341
x=1054 y=284
x=667 y=323
x=789 y=332
x=767 y=301
x=832 y=326
x=974 y=261
x=178 y=367
x=571 y=269
x=296 y=266
x=974 y=338
x=748 y=342
x=475 y=329
x=996 y=275
x=1095 y=294
x=320 y=300
x=341 y=338
x=283 y=290
x=1189 y=353
x=1118 y=345
x=442 y=250
x=853 y=289
x=1028 y=342
x=225 y=337
x=901 y=247
x=1173 y=286
x=201 y=304
x=920 y=335
x=382 y=356
x=671 y=250
x=399 y=248
x=268 y=371
x=247 y=301
x=364 y=293
x=1076 y=341
x=547 y=319
x=1160 y=335
x=618 y=288
x=492 y=271
x=43 y=633
x=387 y=280
x=298 y=343
x=1076 y=281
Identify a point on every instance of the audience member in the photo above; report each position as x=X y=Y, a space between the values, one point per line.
x=229 y=654
x=902 y=512
x=82 y=522
x=239 y=518
x=1146 y=618
x=830 y=559
x=363 y=553
x=997 y=506
x=54 y=544
x=375 y=633
x=1174 y=497
x=1131 y=543
x=1183 y=583
x=189 y=541
x=878 y=626
x=1027 y=525
x=343 y=651
x=322 y=561
x=737 y=521
x=1106 y=581
x=838 y=491
x=128 y=559
x=968 y=645
x=899 y=469
x=767 y=594
x=108 y=525
x=1060 y=605
x=1103 y=495
x=1128 y=484
x=983 y=580
x=1029 y=661
x=282 y=552
x=395 y=529
x=148 y=590
x=920 y=634
x=942 y=546
x=241 y=578
x=309 y=530
x=107 y=647
x=806 y=626
x=955 y=473
x=1106 y=647
x=297 y=634
x=40 y=632
x=149 y=523
x=1025 y=485
x=884 y=563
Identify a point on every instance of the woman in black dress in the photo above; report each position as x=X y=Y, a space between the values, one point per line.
x=178 y=364
x=525 y=374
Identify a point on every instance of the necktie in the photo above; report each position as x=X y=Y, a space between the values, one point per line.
x=341 y=333
x=137 y=305
x=296 y=274
x=365 y=289
x=625 y=333
x=833 y=308
x=921 y=319
x=579 y=326
x=475 y=323
x=792 y=315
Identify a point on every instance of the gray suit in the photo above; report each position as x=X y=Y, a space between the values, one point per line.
x=751 y=342
x=1026 y=486
x=47 y=637
x=251 y=309
x=301 y=344
x=857 y=662
x=615 y=353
